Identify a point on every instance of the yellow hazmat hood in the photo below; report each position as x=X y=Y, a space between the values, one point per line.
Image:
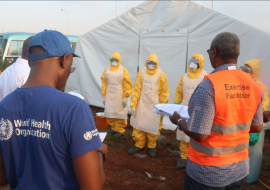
x=152 y=57
x=195 y=74
x=255 y=65
x=117 y=56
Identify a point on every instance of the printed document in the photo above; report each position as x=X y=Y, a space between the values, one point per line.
x=169 y=109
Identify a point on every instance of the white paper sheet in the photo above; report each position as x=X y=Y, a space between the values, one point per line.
x=102 y=135
x=169 y=109
x=76 y=94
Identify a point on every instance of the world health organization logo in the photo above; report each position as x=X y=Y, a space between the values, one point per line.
x=88 y=135
x=6 y=129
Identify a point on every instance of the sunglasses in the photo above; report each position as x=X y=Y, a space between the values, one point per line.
x=208 y=51
x=73 y=67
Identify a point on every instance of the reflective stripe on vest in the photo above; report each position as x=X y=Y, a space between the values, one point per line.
x=217 y=150
x=236 y=99
x=230 y=129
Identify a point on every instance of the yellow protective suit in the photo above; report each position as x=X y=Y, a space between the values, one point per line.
x=183 y=149
x=255 y=65
x=117 y=125
x=179 y=95
x=140 y=136
x=178 y=98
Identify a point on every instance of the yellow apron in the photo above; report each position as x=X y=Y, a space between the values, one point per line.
x=114 y=95
x=145 y=120
x=189 y=86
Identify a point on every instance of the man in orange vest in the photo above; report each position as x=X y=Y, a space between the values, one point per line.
x=224 y=108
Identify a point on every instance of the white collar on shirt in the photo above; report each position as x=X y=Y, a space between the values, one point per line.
x=22 y=61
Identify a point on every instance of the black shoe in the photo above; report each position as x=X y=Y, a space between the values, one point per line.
x=111 y=132
x=134 y=149
x=118 y=135
x=152 y=152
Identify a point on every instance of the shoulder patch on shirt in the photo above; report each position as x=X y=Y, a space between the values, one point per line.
x=6 y=129
x=89 y=134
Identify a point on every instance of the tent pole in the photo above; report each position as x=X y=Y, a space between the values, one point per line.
x=138 y=66
x=212 y=4
x=187 y=52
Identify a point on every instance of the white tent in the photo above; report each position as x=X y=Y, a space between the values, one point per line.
x=163 y=28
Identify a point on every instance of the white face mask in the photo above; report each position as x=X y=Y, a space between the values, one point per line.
x=193 y=66
x=151 y=66
x=114 y=63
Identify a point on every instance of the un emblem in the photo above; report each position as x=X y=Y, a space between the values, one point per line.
x=88 y=135
x=6 y=129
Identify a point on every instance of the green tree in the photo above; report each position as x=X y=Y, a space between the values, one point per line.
x=5 y=65
x=1 y=65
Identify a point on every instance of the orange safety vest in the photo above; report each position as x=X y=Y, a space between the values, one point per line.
x=237 y=98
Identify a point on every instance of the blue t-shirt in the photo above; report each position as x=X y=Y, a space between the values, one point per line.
x=41 y=130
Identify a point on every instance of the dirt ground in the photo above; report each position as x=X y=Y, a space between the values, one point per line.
x=124 y=171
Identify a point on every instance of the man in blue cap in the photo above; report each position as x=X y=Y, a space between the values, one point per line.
x=48 y=139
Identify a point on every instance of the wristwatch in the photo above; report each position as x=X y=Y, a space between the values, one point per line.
x=178 y=122
x=103 y=154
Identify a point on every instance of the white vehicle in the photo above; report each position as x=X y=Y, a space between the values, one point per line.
x=11 y=44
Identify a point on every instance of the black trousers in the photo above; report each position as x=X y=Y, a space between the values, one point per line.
x=191 y=184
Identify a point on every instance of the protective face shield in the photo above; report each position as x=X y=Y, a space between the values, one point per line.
x=193 y=64
x=151 y=65
x=246 y=69
x=114 y=61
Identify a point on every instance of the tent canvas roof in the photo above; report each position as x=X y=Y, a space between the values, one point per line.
x=163 y=28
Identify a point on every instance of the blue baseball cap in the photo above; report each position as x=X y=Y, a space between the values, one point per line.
x=54 y=43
